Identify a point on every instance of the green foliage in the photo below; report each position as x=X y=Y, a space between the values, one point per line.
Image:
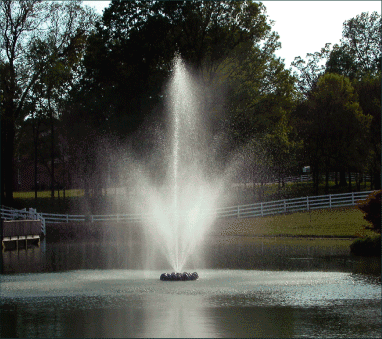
x=341 y=62
x=361 y=37
x=39 y=42
x=372 y=209
x=331 y=141
x=260 y=91
x=359 y=58
x=369 y=246
x=229 y=46
x=368 y=89
x=334 y=126
x=359 y=53
x=220 y=41
x=281 y=149
x=310 y=70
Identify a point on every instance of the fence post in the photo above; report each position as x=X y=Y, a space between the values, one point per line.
x=261 y=209
x=67 y=218
x=330 y=201
x=285 y=210
x=352 y=198
x=238 y=211
x=307 y=203
x=91 y=218
x=43 y=225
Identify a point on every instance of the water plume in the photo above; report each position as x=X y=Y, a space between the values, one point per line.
x=179 y=209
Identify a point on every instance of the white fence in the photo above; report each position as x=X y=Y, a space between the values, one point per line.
x=309 y=178
x=293 y=205
x=8 y=213
x=241 y=211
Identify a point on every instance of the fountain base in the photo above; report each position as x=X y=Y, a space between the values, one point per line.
x=178 y=276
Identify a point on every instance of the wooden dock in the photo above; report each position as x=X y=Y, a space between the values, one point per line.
x=20 y=230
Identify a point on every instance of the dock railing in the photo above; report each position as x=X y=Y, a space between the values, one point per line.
x=241 y=211
x=9 y=213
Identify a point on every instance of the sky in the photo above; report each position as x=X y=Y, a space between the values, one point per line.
x=303 y=26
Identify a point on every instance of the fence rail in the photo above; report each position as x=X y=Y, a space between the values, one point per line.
x=294 y=205
x=309 y=178
x=240 y=211
x=9 y=213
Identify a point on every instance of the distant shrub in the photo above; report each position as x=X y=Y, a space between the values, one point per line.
x=372 y=209
x=369 y=246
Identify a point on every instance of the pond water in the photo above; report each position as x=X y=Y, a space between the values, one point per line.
x=248 y=287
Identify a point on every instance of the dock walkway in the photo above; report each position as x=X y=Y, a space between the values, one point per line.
x=20 y=230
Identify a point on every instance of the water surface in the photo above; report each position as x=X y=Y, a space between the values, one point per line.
x=95 y=289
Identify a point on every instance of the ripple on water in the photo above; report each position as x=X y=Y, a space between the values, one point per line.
x=248 y=287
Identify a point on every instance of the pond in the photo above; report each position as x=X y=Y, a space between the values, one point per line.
x=248 y=287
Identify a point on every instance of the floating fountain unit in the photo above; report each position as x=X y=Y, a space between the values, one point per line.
x=179 y=276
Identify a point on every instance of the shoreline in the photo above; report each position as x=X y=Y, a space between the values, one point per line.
x=302 y=236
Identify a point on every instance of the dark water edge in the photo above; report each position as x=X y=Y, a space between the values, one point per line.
x=222 y=303
x=89 y=281
x=120 y=246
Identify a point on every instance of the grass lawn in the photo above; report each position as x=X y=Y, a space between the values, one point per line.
x=46 y=194
x=340 y=222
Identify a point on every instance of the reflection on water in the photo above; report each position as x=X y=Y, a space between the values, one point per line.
x=255 y=254
x=223 y=303
x=248 y=288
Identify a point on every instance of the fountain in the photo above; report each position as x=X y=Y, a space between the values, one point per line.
x=181 y=208
x=82 y=289
x=179 y=276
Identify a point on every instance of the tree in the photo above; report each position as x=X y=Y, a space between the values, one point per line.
x=372 y=209
x=203 y=33
x=368 y=89
x=126 y=60
x=282 y=149
x=334 y=127
x=260 y=91
x=341 y=62
x=359 y=58
x=229 y=46
x=361 y=37
x=27 y=29
x=310 y=69
x=359 y=52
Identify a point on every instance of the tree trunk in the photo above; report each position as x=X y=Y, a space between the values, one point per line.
x=326 y=182
x=64 y=176
x=51 y=148
x=35 y=141
x=253 y=177
x=377 y=180
x=358 y=181
x=3 y=165
x=7 y=172
x=35 y=172
x=371 y=180
x=343 y=178
x=7 y=159
x=315 y=180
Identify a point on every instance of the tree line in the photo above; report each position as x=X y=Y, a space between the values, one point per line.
x=76 y=86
